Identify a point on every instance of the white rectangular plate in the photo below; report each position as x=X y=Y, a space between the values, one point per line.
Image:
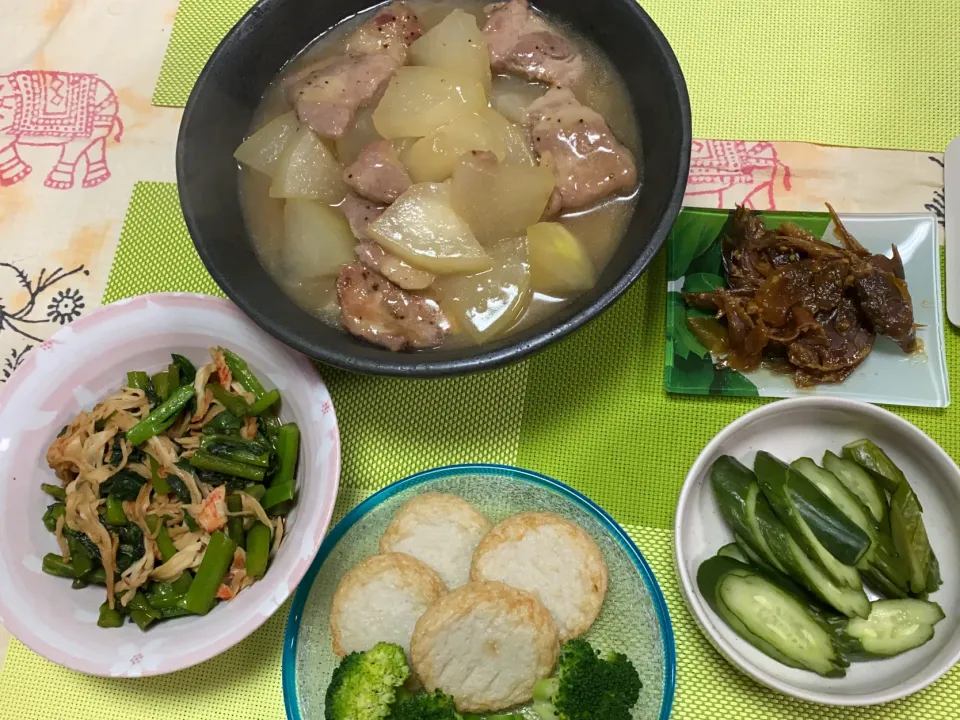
x=887 y=376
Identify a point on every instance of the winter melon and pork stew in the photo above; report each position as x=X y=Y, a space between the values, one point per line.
x=442 y=173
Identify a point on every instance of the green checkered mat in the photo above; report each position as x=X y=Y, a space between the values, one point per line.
x=853 y=73
x=590 y=411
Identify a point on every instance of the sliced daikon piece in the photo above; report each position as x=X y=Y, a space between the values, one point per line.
x=487 y=304
x=511 y=96
x=317 y=241
x=499 y=201
x=456 y=43
x=433 y=158
x=559 y=264
x=308 y=170
x=517 y=146
x=262 y=150
x=418 y=100
x=515 y=142
x=421 y=228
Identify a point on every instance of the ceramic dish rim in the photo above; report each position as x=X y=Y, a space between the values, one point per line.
x=292 y=634
x=695 y=603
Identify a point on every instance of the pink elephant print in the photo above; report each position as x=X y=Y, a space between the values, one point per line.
x=737 y=173
x=76 y=112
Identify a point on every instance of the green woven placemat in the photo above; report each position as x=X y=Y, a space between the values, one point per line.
x=590 y=411
x=197 y=30
x=853 y=73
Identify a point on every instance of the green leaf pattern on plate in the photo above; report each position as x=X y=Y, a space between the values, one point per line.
x=691 y=375
x=693 y=234
x=710 y=261
x=695 y=264
x=702 y=282
x=683 y=341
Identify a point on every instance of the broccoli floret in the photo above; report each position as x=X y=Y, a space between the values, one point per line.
x=588 y=686
x=364 y=685
x=426 y=706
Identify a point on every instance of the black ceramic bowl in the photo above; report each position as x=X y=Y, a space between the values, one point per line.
x=218 y=116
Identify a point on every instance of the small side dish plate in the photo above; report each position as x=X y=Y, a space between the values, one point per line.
x=73 y=370
x=634 y=618
x=886 y=376
x=791 y=429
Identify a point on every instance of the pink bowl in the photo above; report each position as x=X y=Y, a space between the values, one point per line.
x=76 y=367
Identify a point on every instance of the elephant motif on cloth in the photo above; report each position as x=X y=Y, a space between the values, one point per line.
x=75 y=111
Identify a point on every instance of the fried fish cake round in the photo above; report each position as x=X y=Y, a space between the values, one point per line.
x=485 y=644
x=551 y=557
x=439 y=529
x=379 y=600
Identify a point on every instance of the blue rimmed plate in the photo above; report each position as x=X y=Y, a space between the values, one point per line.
x=634 y=618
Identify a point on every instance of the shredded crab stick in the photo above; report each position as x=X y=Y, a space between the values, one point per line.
x=160 y=490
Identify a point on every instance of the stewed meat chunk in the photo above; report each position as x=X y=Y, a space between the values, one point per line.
x=393 y=268
x=360 y=213
x=588 y=161
x=382 y=313
x=886 y=301
x=377 y=173
x=521 y=43
x=327 y=98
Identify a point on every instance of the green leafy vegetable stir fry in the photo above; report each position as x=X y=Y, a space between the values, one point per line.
x=173 y=490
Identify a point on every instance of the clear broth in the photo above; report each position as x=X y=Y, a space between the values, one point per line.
x=600 y=228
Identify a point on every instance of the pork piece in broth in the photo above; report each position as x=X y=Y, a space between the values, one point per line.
x=327 y=94
x=392 y=30
x=393 y=268
x=379 y=311
x=360 y=213
x=327 y=98
x=588 y=161
x=377 y=174
x=522 y=43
